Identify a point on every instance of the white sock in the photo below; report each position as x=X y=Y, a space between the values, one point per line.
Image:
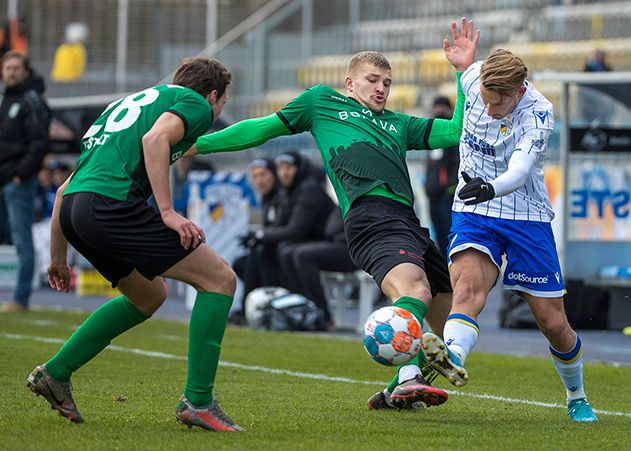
x=408 y=372
x=569 y=365
x=461 y=334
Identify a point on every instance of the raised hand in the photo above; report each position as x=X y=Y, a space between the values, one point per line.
x=462 y=54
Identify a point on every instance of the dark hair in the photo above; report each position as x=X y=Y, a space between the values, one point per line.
x=291 y=157
x=21 y=56
x=442 y=100
x=203 y=75
x=266 y=163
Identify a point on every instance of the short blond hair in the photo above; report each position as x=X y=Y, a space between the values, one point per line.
x=369 y=57
x=503 y=72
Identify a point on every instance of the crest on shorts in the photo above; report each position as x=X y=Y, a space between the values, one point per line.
x=506 y=126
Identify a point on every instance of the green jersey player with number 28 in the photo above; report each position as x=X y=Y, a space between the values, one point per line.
x=102 y=211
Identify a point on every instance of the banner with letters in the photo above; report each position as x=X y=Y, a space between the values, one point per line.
x=600 y=199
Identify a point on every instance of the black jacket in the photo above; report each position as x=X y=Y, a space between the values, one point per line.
x=270 y=205
x=334 y=227
x=303 y=210
x=442 y=174
x=24 y=121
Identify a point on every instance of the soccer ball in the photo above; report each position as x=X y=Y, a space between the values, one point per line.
x=392 y=336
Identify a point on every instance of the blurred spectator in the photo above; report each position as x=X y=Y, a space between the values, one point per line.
x=50 y=177
x=594 y=108
x=181 y=170
x=24 y=121
x=70 y=57
x=60 y=171
x=45 y=195
x=259 y=267
x=597 y=62
x=441 y=179
x=306 y=208
x=330 y=254
x=14 y=36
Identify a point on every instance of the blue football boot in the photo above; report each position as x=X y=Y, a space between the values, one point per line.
x=581 y=410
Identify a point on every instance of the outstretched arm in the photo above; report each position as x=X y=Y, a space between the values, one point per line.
x=242 y=135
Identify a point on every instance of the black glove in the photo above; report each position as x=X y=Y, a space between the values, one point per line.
x=476 y=190
x=248 y=240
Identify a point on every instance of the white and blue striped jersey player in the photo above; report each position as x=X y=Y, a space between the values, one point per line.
x=509 y=154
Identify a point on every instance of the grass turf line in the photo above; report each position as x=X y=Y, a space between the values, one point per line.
x=128 y=400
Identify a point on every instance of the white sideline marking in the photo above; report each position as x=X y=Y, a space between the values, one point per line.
x=322 y=377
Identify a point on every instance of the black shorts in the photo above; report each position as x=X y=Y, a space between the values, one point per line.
x=383 y=233
x=119 y=236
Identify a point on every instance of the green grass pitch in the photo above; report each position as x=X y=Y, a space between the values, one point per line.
x=290 y=391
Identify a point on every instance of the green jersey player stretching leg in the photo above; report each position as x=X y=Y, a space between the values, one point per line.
x=102 y=211
x=363 y=147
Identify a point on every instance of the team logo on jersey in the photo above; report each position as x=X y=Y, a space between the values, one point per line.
x=542 y=115
x=14 y=110
x=506 y=126
x=467 y=105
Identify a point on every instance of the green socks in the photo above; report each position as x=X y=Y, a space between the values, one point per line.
x=208 y=323
x=419 y=310
x=95 y=334
x=415 y=306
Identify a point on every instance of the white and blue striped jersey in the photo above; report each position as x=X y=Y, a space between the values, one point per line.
x=487 y=144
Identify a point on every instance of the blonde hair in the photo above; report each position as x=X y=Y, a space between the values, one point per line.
x=369 y=57
x=503 y=72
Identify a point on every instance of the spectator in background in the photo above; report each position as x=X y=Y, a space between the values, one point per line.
x=329 y=254
x=14 y=36
x=70 y=57
x=259 y=267
x=594 y=108
x=597 y=62
x=441 y=179
x=60 y=171
x=24 y=121
x=45 y=195
x=301 y=212
x=181 y=170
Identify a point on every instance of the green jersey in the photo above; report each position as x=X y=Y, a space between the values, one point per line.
x=111 y=161
x=363 y=152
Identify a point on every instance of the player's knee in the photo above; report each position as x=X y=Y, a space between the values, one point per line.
x=223 y=280
x=420 y=291
x=555 y=327
x=163 y=291
x=229 y=281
